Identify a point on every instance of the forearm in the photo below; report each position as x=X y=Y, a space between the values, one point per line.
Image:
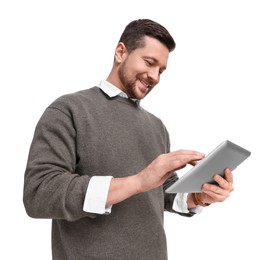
x=121 y=189
x=153 y=176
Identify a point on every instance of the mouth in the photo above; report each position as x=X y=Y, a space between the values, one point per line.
x=145 y=84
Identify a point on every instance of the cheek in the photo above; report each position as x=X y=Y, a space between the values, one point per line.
x=136 y=66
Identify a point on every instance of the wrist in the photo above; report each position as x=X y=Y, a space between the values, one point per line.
x=121 y=189
x=190 y=201
x=141 y=182
x=196 y=199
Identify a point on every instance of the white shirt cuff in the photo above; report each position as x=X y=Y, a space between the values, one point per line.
x=96 y=195
x=180 y=204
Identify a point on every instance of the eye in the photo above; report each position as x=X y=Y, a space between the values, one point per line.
x=149 y=63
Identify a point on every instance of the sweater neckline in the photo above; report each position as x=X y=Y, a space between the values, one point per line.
x=124 y=100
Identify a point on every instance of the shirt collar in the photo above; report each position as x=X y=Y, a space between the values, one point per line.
x=113 y=91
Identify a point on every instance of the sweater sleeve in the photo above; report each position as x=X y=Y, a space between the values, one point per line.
x=169 y=197
x=52 y=189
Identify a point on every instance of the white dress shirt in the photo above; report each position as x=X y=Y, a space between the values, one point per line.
x=98 y=187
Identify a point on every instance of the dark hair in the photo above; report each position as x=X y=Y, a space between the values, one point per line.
x=134 y=33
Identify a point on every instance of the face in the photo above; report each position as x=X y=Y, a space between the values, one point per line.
x=140 y=70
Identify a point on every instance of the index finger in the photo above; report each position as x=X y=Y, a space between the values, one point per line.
x=188 y=152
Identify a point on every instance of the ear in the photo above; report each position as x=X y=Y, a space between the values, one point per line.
x=120 y=52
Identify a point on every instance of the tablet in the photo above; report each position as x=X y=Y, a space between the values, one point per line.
x=225 y=155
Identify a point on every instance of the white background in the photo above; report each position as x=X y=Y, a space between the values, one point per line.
x=217 y=86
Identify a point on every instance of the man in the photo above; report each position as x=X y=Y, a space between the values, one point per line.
x=99 y=163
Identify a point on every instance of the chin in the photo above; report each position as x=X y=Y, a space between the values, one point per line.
x=140 y=95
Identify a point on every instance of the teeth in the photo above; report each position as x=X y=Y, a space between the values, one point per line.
x=146 y=85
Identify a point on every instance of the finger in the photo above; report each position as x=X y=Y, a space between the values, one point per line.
x=216 y=193
x=186 y=152
x=229 y=176
x=181 y=160
x=212 y=189
x=176 y=160
x=223 y=183
x=193 y=163
x=212 y=197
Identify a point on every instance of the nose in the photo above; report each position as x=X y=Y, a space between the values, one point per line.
x=154 y=75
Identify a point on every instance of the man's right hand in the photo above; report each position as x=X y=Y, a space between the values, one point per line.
x=158 y=171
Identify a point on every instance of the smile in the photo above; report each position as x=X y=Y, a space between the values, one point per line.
x=145 y=84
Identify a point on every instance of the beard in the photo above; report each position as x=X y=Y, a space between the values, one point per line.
x=129 y=85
